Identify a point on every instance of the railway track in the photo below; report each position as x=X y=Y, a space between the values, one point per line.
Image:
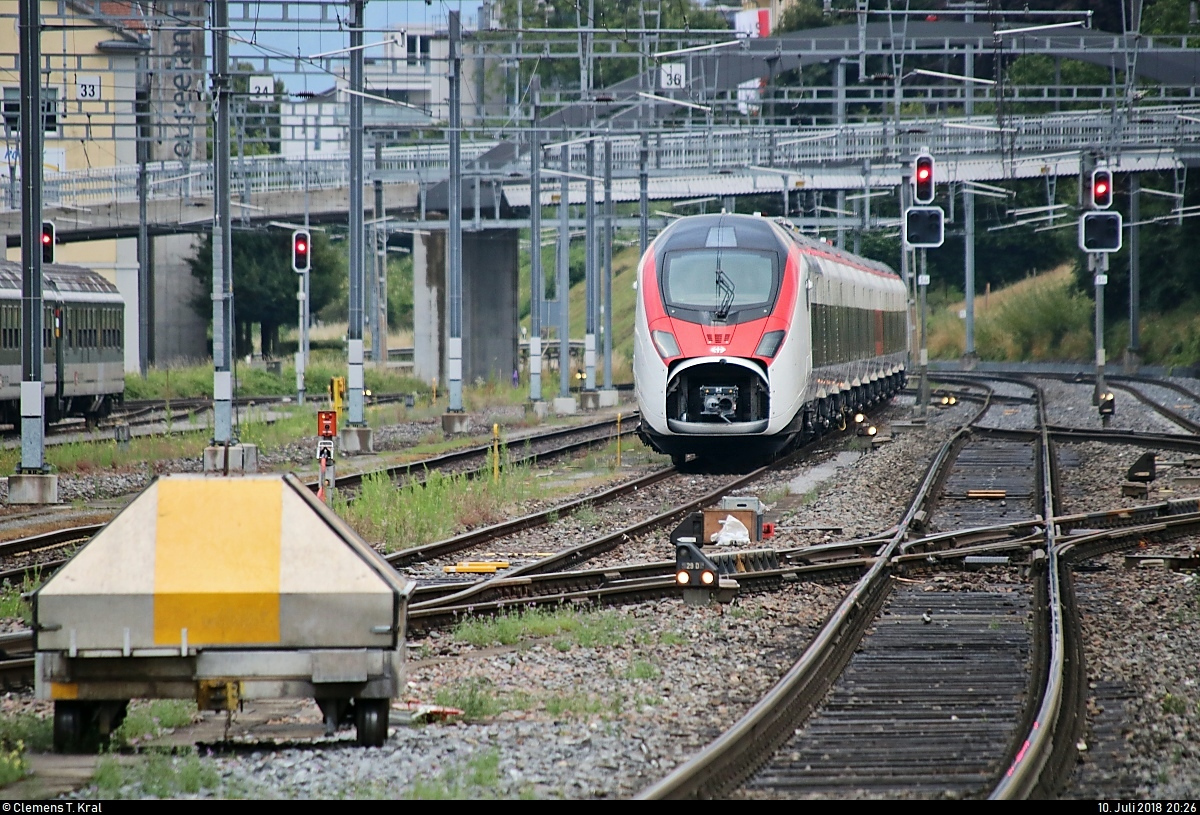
x=856 y=742
x=939 y=540
x=766 y=749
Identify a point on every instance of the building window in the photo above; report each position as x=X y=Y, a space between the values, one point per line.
x=418 y=49
x=12 y=110
x=50 y=110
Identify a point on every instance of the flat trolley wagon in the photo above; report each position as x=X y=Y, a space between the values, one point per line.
x=221 y=589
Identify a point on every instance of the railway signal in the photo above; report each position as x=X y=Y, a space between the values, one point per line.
x=924 y=227
x=1100 y=232
x=47 y=241
x=693 y=569
x=1102 y=188
x=923 y=179
x=301 y=251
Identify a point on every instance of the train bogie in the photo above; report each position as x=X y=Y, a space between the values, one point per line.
x=749 y=336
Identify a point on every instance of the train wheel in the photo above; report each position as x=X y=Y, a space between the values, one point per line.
x=336 y=712
x=371 y=721
x=68 y=727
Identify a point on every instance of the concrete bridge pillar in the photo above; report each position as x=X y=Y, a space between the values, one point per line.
x=490 y=298
x=178 y=332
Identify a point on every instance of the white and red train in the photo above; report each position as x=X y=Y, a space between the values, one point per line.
x=750 y=337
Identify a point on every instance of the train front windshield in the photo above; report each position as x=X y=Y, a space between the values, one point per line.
x=719 y=284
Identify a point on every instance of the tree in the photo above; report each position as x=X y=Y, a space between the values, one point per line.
x=264 y=285
x=803 y=15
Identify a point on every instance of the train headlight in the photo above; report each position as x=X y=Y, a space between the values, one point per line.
x=768 y=346
x=664 y=341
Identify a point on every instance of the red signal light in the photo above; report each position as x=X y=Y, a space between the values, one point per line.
x=47 y=241
x=1102 y=188
x=301 y=244
x=923 y=179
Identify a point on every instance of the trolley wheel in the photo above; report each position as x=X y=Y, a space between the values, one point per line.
x=371 y=721
x=68 y=727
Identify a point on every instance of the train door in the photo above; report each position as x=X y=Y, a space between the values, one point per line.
x=60 y=367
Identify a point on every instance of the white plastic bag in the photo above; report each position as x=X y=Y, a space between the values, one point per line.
x=732 y=531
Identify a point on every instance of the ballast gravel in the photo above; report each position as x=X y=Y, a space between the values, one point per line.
x=604 y=715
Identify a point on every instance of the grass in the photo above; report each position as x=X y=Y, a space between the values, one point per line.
x=1039 y=318
x=290 y=424
x=150 y=718
x=29 y=731
x=196 y=380
x=12 y=602
x=479 y=699
x=422 y=512
x=586 y=515
x=591 y=629
x=1175 y=705
x=156 y=775
x=476 y=777
x=476 y=698
x=641 y=669
x=672 y=638
x=445 y=504
x=581 y=704
x=13 y=764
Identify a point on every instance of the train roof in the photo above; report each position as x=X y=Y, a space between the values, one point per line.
x=763 y=226
x=840 y=255
x=58 y=277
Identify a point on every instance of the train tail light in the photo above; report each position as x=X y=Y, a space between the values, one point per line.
x=665 y=342
x=768 y=346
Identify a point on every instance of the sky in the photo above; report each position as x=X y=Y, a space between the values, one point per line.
x=380 y=14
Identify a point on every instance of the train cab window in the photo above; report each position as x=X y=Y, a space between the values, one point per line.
x=721 y=283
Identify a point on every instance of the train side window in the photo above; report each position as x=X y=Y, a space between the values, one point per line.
x=824 y=338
